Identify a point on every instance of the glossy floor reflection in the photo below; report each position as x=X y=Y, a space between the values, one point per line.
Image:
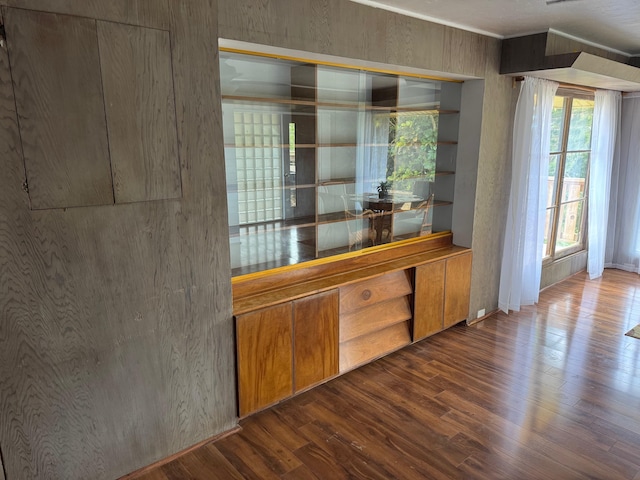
x=551 y=392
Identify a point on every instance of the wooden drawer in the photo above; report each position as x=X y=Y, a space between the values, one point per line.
x=374 y=290
x=373 y=318
x=368 y=347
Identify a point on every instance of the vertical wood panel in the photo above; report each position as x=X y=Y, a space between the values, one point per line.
x=116 y=339
x=464 y=52
x=56 y=74
x=426 y=38
x=316 y=338
x=428 y=313
x=2 y=477
x=148 y=13
x=265 y=351
x=456 y=291
x=140 y=108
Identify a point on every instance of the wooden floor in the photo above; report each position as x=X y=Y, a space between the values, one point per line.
x=552 y=392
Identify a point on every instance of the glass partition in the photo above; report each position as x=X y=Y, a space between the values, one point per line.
x=323 y=160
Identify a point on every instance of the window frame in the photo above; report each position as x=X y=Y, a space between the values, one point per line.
x=551 y=255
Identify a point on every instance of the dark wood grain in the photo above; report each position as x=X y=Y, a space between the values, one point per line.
x=547 y=392
x=315 y=320
x=140 y=112
x=56 y=74
x=428 y=312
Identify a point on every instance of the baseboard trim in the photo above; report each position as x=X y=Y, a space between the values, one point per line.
x=484 y=317
x=159 y=463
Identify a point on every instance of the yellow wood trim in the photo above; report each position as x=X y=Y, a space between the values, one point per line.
x=333 y=258
x=336 y=64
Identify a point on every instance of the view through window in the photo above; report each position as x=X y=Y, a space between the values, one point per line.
x=571 y=123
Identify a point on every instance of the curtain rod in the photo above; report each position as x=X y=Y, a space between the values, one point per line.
x=562 y=85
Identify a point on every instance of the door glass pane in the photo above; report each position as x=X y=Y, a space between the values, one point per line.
x=569 y=232
x=548 y=224
x=554 y=161
x=580 y=125
x=575 y=175
x=557 y=119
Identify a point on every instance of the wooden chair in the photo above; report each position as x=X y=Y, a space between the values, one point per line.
x=364 y=235
x=418 y=224
x=427 y=219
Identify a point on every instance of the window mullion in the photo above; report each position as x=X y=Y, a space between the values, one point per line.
x=560 y=175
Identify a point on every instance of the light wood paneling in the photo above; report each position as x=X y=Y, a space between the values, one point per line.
x=403 y=31
x=374 y=317
x=140 y=110
x=464 y=52
x=148 y=13
x=374 y=290
x=265 y=352
x=56 y=73
x=373 y=345
x=315 y=338
x=428 y=316
x=457 y=285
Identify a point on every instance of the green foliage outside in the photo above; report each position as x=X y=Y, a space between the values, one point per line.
x=579 y=137
x=413 y=143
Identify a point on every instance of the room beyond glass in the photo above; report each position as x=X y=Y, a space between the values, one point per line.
x=323 y=160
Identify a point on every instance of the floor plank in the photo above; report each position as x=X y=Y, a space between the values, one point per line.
x=551 y=391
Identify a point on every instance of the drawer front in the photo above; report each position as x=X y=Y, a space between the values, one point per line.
x=375 y=290
x=374 y=317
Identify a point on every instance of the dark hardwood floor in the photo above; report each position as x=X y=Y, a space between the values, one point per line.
x=551 y=392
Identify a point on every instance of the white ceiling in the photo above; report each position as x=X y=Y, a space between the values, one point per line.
x=614 y=24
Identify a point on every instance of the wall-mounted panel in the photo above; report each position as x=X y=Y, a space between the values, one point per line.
x=140 y=111
x=56 y=75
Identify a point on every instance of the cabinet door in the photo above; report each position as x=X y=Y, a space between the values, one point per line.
x=428 y=317
x=316 y=338
x=457 y=286
x=264 y=349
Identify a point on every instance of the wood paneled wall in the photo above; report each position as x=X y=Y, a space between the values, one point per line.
x=116 y=334
x=116 y=339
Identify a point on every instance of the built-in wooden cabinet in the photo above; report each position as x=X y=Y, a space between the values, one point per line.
x=299 y=327
x=375 y=316
x=285 y=349
x=441 y=295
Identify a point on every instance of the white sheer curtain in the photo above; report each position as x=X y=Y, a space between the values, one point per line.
x=522 y=253
x=623 y=236
x=606 y=118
